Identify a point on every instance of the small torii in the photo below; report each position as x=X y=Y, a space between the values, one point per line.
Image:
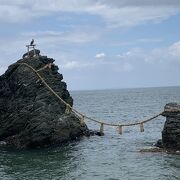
x=31 y=46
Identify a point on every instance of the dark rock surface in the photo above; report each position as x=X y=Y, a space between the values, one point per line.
x=35 y=52
x=159 y=143
x=30 y=115
x=171 y=131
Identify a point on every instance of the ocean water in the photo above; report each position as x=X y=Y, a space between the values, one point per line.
x=108 y=157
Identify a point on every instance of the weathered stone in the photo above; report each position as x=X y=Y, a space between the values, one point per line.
x=171 y=131
x=30 y=54
x=159 y=143
x=30 y=115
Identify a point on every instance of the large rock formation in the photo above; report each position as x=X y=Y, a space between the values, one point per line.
x=30 y=115
x=171 y=131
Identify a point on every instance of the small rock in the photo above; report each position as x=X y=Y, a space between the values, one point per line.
x=171 y=130
x=159 y=143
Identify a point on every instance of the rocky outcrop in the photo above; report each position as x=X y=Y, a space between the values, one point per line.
x=30 y=115
x=171 y=131
x=32 y=53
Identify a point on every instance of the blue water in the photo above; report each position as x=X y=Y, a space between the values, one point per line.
x=108 y=157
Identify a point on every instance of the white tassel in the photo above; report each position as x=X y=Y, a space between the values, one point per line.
x=82 y=120
x=102 y=128
x=68 y=109
x=141 y=127
x=49 y=65
x=120 y=129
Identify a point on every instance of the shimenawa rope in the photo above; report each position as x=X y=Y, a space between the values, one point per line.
x=82 y=116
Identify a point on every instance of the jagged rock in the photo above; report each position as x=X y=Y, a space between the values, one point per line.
x=30 y=54
x=30 y=115
x=159 y=143
x=152 y=150
x=171 y=131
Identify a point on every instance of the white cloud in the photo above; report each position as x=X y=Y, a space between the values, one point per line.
x=131 y=16
x=14 y=46
x=164 y=55
x=119 y=3
x=15 y=13
x=134 y=53
x=100 y=55
x=71 y=65
x=59 y=37
x=115 y=13
x=174 y=50
x=158 y=55
x=75 y=65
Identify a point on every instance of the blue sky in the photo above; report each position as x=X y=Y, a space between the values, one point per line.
x=97 y=44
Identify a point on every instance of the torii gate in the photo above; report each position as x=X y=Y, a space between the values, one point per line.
x=31 y=47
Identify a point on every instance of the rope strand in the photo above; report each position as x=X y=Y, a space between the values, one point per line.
x=70 y=108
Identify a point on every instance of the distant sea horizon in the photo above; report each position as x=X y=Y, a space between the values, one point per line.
x=122 y=88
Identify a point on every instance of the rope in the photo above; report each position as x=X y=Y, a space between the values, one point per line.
x=82 y=116
x=46 y=66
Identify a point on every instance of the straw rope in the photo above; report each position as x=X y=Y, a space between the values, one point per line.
x=70 y=109
x=46 y=66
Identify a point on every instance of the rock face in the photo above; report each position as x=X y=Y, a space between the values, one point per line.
x=30 y=115
x=171 y=131
x=31 y=53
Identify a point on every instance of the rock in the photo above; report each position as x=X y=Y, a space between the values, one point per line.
x=152 y=150
x=171 y=130
x=95 y=132
x=30 y=115
x=3 y=143
x=35 y=52
x=159 y=143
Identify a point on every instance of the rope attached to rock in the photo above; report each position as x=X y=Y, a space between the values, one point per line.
x=82 y=117
x=46 y=66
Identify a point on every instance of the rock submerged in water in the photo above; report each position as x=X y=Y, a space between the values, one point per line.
x=171 y=130
x=170 y=142
x=30 y=115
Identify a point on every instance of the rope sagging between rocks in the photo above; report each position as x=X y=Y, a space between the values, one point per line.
x=82 y=117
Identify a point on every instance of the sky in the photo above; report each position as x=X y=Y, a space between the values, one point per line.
x=97 y=44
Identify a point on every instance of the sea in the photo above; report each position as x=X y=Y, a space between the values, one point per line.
x=109 y=157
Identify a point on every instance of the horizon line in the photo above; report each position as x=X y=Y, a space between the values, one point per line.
x=121 y=88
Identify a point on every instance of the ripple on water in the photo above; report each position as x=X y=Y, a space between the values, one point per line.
x=110 y=157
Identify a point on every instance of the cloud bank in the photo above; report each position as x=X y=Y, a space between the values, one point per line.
x=115 y=13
